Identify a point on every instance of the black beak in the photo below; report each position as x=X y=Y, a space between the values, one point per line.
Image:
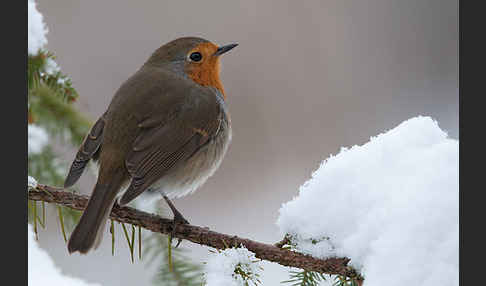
x=224 y=49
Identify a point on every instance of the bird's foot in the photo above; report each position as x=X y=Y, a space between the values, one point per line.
x=178 y=220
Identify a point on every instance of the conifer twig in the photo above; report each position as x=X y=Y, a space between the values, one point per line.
x=201 y=235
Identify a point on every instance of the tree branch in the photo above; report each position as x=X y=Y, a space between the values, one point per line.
x=200 y=235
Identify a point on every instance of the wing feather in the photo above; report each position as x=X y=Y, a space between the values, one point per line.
x=88 y=150
x=160 y=147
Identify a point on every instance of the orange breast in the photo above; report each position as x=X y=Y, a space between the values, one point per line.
x=206 y=72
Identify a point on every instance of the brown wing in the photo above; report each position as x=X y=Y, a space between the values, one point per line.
x=160 y=146
x=88 y=150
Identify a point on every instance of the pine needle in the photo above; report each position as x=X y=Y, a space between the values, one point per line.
x=43 y=214
x=61 y=221
x=34 y=207
x=169 y=252
x=139 y=243
x=112 y=231
x=133 y=242
x=39 y=220
x=130 y=244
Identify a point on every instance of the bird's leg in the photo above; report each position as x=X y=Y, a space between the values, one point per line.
x=178 y=218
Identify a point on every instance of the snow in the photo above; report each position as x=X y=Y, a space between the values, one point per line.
x=42 y=270
x=220 y=268
x=37 y=139
x=390 y=205
x=37 y=29
x=31 y=182
x=51 y=67
x=61 y=81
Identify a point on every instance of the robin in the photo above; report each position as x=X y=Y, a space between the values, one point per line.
x=167 y=128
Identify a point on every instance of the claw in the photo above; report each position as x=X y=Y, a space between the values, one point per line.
x=178 y=220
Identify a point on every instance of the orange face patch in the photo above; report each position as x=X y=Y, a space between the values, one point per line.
x=206 y=71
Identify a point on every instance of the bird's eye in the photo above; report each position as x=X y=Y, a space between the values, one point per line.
x=195 y=57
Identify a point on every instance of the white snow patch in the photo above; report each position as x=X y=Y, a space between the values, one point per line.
x=31 y=182
x=391 y=205
x=61 y=81
x=37 y=29
x=37 y=139
x=51 y=67
x=220 y=269
x=43 y=271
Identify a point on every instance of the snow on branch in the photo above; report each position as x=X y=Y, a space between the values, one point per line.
x=391 y=205
x=232 y=267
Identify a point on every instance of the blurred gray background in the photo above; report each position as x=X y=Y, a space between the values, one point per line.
x=307 y=78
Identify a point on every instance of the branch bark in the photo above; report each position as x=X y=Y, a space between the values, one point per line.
x=200 y=235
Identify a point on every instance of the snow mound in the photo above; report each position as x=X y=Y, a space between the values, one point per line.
x=41 y=268
x=390 y=205
x=37 y=29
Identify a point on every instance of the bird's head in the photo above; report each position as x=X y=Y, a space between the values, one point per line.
x=194 y=58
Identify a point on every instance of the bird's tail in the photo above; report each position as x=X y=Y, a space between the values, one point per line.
x=88 y=233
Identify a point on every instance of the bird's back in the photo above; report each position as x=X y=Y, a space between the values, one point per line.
x=152 y=94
